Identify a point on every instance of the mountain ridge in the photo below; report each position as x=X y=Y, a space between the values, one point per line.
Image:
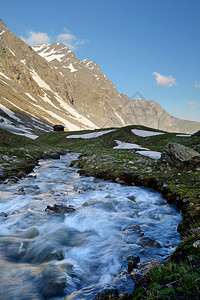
x=47 y=85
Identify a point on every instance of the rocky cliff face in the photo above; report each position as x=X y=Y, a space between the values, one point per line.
x=47 y=85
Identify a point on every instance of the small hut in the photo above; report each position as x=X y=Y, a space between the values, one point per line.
x=58 y=128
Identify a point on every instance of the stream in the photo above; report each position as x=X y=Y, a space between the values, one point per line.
x=48 y=255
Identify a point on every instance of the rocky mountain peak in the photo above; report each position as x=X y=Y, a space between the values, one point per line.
x=2 y=26
x=58 y=54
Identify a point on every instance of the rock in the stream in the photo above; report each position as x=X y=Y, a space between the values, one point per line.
x=132 y=262
x=54 y=155
x=2 y=175
x=3 y=214
x=148 y=242
x=12 y=179
x=180 y=156
x=21 y=191
x=59 y=208
x=109 y=292
x=143 y=268
x=54 y=281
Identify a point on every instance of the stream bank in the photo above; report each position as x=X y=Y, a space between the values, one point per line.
x=75 y=254
x=181 y=187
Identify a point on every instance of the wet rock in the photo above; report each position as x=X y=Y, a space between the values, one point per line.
x=54 y=281
x=3 y=214
x=132 y=262
x=130 y=233
x=109 y=292
x=14 y=247
x=29 y=233
x=148 y=242
x=54 y=155
x=132 y=198
x=59 y=208
x=180 y=156
x=143 y=268
x=2 y=175
x=21 y=191
x=12 y=179
x=32 y=176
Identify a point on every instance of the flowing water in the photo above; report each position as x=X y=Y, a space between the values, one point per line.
x=40 y=251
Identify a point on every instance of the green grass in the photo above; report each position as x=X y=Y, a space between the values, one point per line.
x=173 y=281
x=123 y=134
x=8 y=139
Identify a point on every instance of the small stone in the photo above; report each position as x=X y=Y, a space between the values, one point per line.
x=6 y=158
x=22 y=191
x=3 y=214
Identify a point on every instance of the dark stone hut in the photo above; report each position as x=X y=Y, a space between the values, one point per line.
x=58 y=128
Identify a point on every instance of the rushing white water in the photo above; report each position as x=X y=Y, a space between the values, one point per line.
x=40 y=251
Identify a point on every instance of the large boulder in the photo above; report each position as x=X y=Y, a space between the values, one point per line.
x=180 y=156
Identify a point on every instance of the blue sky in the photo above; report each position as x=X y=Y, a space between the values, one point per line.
x=150 y=46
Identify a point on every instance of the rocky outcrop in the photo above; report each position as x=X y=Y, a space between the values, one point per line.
x=180 y=156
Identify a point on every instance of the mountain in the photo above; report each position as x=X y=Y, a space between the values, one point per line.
x=47 y=85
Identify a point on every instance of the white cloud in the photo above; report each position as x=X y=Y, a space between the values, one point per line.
x=35 y=38
x=164 y=80
x=67 y=38
x=70 y=40
x=197 y=84
x=192 y=104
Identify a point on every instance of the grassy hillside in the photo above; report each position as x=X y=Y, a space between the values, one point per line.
x=107 y=141
x=8 y=139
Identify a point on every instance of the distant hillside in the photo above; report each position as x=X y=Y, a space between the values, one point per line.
x=47 y=85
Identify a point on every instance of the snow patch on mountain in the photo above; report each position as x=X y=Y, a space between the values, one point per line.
x=27 y=94
x=72 y=69
x=39 y=81
x=75 y=115
x=46 y=99
x=12 y=52
x=9 y=112
x=120 y=118
x=3 y=75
